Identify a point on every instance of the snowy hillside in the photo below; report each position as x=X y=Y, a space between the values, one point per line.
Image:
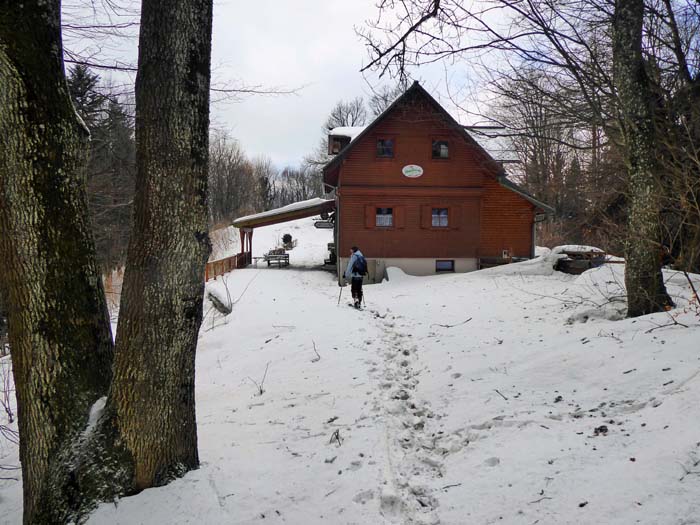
x=501 y=396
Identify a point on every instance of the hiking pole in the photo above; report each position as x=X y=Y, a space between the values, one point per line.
x=341 y=292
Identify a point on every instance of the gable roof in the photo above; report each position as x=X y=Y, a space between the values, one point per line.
x=495 y=166
x=415 y=88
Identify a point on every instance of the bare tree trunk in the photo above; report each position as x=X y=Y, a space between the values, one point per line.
x=646 y=292
x=59 y=325
x=153 y=388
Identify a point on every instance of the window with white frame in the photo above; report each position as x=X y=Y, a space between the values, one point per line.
x=440 y=218
x=385 y=217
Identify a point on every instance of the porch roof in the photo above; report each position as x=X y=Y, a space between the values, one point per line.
x=296 y=210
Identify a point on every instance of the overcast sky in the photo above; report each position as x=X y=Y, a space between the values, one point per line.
x=305 y=44
x=310 y=44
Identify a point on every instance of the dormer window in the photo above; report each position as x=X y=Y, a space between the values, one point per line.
x=441 y=149
x=336 y=143
x=385 y=147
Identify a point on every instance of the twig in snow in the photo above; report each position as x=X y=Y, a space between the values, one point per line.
x=260 y=386
x=451 y=485
x=6 y=389
x=336 y=435
x=246 y=288
x=603 y=333
x=10 y=435
x=318 y=356
x=451 y=325
x=538 y=500
x=687 y=470
x=504 y=397
x=674 y=322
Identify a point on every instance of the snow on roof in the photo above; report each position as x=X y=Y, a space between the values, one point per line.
x=498 y=146
x=576 y=248
x=295 y=206
x=347 y=131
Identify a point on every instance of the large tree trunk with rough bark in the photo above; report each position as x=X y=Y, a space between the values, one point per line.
x=646 y=292
x=161 y=307
x=59 y=325
x=145 y=434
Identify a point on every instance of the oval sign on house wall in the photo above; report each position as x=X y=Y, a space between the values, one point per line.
x=412 y=171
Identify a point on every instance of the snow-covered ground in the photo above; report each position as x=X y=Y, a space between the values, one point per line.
x=501 y=396
x=310 y=251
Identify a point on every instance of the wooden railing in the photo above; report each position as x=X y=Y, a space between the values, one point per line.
x=222 y=266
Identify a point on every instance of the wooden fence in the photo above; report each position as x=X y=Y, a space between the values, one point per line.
x=222 y=266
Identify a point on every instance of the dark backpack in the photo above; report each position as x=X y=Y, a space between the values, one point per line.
x=360 y=265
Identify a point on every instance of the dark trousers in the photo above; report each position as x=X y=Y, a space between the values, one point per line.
x=356 y=288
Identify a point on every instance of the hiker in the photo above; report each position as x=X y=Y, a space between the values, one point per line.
x=357 y=268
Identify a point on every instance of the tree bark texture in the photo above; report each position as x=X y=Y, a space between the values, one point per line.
x=59 y=324
x=161 y=307
x=646 y=292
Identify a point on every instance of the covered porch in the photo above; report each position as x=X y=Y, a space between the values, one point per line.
x=248 y=223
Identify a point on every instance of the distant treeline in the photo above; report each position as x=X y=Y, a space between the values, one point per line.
x=238 y=184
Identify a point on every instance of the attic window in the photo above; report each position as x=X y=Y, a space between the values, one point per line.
x=385 y=147
x=336 y=143
x=441 y=149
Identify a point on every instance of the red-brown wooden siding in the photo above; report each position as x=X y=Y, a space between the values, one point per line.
x=413 y=127
x=506 y=222
x=491 y=218
x=408 y=239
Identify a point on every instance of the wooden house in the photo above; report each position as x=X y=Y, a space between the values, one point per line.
x=414 y=190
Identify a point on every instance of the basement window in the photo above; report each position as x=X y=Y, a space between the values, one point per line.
x=385 y=148
x=444 y=266
x=385 y=217
x=441 y=149
x=440 y=218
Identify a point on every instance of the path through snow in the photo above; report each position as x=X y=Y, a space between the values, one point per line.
x=456 y=399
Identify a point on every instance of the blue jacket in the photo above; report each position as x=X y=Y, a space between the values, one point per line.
x=348 y=272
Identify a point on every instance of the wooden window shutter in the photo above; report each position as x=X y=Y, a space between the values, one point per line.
x=370 y=216
x=399 y=216
x=455 y=217
x=426 y=216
